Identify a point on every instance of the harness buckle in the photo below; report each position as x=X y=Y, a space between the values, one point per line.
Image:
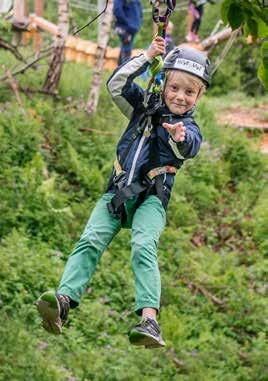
x=118 y=214
x=119 y=179
x=148 y=180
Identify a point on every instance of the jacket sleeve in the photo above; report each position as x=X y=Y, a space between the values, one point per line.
x=190 y=146
x=141 y=11
x=126 y=94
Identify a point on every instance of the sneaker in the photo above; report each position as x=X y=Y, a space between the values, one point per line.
x=53 y=309
x=146 y=333
x=190 y=37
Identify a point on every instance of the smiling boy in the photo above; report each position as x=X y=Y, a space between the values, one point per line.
x=160 y=136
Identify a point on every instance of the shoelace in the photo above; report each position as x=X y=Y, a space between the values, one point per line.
x=150 y=323
x=64 y=306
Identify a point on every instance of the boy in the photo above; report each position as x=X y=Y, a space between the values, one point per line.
x=161 y=134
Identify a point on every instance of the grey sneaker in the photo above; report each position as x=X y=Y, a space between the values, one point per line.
x=147 y=333
x=53 y=309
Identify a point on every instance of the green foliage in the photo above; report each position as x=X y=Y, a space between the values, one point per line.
x=55 y=163
x=263 y=71
x=244 y=164
x=252 y=16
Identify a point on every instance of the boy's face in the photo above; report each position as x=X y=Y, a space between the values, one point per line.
x=180 y=94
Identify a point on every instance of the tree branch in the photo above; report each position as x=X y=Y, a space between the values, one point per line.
x=28 y=65
x=197 y=288
x=14 y=86
x=7 y=46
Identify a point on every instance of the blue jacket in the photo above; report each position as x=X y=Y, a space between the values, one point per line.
x=128 y=15
x=128 y=96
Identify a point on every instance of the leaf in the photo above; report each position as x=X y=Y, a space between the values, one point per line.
x=264 y=54
x=224 y=10
x=260 y=12
x=235 y=16
x=251 y=26
x=263 y=75
x=262 y=29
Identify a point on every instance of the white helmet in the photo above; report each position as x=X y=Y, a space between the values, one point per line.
x=190 y=60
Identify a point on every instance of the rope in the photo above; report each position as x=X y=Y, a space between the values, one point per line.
x=226 y=49
x=216 y=28
x=92 y=20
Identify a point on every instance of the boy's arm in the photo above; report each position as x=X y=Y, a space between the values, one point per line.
x=189 y=147
x=126 y=94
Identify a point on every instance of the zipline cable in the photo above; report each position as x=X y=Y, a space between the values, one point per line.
x=94 y=19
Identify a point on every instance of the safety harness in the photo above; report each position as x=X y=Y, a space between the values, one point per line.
x=151 y=180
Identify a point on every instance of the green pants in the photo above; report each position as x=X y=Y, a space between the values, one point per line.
x=148 y=223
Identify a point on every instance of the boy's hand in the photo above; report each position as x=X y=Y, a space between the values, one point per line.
x=157 y=47
x=177 y=131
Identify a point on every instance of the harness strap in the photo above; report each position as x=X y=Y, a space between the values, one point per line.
x=121 y=196
x=136 y=188
x=117 y=167
x=160 y=171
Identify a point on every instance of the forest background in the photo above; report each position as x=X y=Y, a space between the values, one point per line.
x=212 y=254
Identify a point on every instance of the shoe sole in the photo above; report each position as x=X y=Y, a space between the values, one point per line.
x=50 y=316
x=148 y=341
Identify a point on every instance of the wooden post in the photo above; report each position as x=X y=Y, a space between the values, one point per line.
x=39 y=7
x=20 y=13
x=19 y=20
x=38 y=10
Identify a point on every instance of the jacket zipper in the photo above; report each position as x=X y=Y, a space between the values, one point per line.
x=132 y=170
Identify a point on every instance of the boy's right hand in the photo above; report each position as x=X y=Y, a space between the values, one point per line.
x=157 y=47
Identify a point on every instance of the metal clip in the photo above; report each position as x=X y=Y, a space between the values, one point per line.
x=119 y=180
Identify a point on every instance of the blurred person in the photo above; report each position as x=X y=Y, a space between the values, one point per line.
x=128 y=20
x=195 y=13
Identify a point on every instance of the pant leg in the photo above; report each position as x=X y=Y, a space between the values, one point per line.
x=98 y=233
x=126 y=47
x=197 y=21
x=148 y=222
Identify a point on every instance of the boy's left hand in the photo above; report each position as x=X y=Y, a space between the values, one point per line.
x=177 y=131
x=157 y=47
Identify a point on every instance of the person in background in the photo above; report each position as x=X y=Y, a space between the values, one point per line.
x=128 y=20
x=195 y=13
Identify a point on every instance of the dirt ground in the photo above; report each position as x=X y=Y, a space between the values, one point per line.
x=253 y=118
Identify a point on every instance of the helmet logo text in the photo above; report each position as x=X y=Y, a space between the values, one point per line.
x=190 y=66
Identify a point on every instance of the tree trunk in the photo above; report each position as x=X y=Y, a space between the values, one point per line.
x=39 y=11
x=56 y=64
x=103 y=38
